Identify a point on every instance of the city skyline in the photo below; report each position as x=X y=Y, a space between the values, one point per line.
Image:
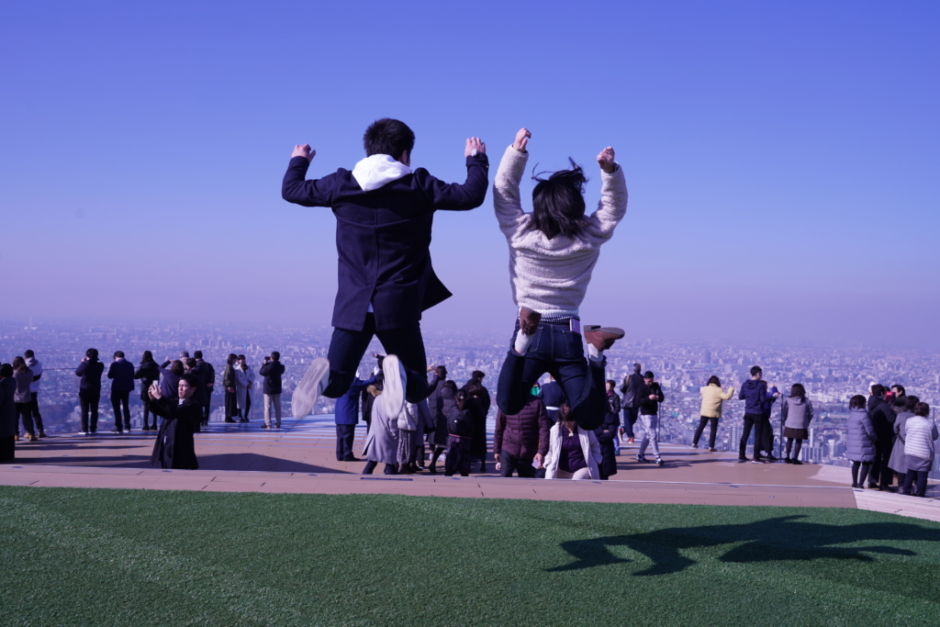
x=779 y=158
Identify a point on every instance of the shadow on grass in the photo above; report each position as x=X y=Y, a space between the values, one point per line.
x=771 y=540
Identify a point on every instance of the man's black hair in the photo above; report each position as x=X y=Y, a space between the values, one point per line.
x=649 y=375
x=197 y=355
x=29 y=353
x=191 y=379
x=558 y=203
x=388 y=137
x=637 y=368
x=276 y=356
x=91 y=353
x=119 y=354
x=477 y=375
x=900 y=388
x=877 y=390
x=756 y=370
x=6 y=370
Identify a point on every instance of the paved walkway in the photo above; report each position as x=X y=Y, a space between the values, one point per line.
x=301 y=459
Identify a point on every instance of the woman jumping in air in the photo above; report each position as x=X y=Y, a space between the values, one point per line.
x=552 y=253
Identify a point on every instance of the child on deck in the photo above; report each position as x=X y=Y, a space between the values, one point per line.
x=384 y=212
x=552 y=253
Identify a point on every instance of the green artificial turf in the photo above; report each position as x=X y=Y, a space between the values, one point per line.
x=125 y=557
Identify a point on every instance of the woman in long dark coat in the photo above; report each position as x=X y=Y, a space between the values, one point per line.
x=148 y=371
x=607 y=432
x=478 y=404
x=175 y=447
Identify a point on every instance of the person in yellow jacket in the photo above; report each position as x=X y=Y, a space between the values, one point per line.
x=712 y=399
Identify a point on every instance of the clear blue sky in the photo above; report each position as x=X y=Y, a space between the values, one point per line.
x=782 y=158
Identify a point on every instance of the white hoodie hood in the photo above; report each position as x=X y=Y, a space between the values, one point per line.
x=378 y=170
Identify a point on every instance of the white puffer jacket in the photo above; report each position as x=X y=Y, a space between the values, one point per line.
x=919 y=435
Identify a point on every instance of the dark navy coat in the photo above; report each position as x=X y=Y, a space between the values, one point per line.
x=383 y=238
x=121 y=373
x=90 y=372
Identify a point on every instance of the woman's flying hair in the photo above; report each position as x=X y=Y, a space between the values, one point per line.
x=558 y=202
x=713 y=380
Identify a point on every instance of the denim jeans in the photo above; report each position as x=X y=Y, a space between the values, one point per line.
x=557 y=350
x=649 y=426
x=347 y=348
x=630 y=416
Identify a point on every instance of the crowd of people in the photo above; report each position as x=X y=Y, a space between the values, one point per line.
x=889 y=432
x=178 y=390
x=384 y=213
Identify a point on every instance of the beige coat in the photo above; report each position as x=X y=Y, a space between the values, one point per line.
x=712 y=398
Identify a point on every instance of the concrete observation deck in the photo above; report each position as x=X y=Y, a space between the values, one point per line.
x=300 y=458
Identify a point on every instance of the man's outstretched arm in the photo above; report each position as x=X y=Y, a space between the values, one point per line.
x=472 y=192
x=296 y=189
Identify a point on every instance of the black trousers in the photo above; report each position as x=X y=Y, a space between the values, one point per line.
x=703 y=420
x=89 y=402
x=7 y=449
x=918 y=476
x=22 y=411
x=119 y=400
x=207 y=407
x=145 y=400
x=880 y=473
x=347 y=348
x=757 y=422
x=458 y=456
x=34 y=408
x=767 y=437
x=509 y=463
x=345 y=434
x=231 y=406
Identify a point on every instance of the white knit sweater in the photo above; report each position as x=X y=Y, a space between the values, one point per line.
x=551 y=276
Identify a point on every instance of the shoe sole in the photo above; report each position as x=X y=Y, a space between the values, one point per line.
x=308 y=390
x=393 y=396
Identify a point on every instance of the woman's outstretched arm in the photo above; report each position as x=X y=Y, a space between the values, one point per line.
x=506 y=198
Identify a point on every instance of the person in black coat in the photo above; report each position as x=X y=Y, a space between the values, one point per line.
x=206 y=372
x=9 y=423
x=459 y=412
x=384 y=213
x=437 y=439
x=228 y=382
x=175 y=446
x=121 y=373
x=479 y=409
x=607 y=433
x=882 y=419
x=148 y=371
x=272 y=370
x=630 y=389
x=89 y=389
